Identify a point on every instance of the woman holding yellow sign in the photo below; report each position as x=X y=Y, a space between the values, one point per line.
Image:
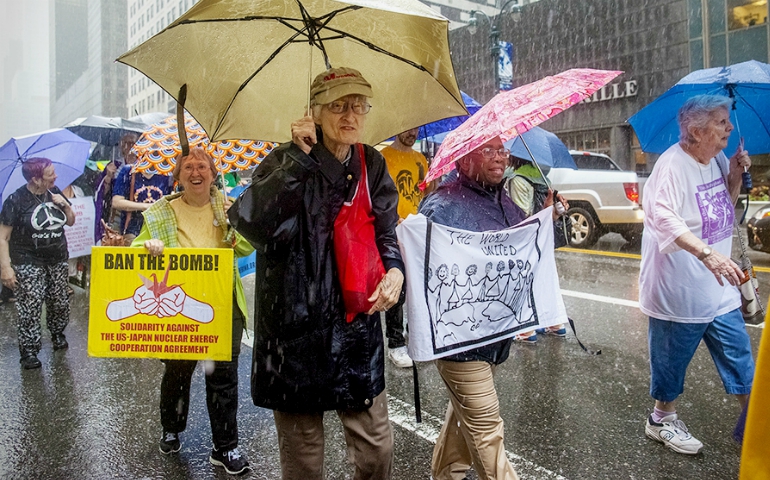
x=195 y=218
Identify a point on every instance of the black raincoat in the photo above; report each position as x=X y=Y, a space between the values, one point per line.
x=306 y=357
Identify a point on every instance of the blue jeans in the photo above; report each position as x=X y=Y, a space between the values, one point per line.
x=672 y=346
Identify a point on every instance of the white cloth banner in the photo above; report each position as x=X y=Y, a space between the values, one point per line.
x=80 y=236
x=468 y=289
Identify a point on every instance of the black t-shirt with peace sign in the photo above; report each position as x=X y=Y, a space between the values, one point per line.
x=38 y=228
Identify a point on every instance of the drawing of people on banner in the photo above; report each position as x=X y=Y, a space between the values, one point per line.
x=478 y=287
x=504 y=297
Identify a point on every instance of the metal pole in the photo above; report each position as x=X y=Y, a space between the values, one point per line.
x=705 y=34
x=494 y=39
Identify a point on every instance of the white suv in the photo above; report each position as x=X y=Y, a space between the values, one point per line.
x=603 y=198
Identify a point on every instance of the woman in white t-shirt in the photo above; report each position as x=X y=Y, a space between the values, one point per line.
x=687 y=281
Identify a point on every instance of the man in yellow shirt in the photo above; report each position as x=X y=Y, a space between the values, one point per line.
x=408 y=168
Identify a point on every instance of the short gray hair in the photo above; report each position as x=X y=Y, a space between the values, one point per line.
x=696 y=112
x=315 y=109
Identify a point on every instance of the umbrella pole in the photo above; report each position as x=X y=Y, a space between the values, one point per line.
x=547 y=182
x=218 y=165
x=309 y=76
x=746 y=176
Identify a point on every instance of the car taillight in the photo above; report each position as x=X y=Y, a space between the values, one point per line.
x=632 y=191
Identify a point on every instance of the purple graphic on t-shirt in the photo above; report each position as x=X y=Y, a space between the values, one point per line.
x=716 y=211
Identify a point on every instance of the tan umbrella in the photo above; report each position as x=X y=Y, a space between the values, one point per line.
x=248 y=64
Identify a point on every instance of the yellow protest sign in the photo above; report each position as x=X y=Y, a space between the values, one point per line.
x=174 y=306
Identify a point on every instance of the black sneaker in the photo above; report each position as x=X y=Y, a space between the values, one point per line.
x=232 y=460
x=29 y=362
x=59 y=341
x=169 y=443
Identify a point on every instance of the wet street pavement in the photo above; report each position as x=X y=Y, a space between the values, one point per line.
x=567 y=414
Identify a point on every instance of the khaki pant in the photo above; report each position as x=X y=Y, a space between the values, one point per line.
x=472 y=433
x=367 y=434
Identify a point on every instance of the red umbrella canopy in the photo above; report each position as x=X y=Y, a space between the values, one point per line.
x=516 y=111
x=158 y=148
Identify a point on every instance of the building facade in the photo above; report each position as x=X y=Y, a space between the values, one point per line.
x=655 y=43
x=145 y=19
x=458 y=11
x=86 y=38
x=24 y=75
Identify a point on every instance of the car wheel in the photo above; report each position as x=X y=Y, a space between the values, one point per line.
x=584 y=232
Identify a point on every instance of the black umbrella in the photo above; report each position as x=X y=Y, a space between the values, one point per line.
x=104 y=130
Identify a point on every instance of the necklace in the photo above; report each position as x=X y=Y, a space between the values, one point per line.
x=691 y=154
x=37 y=197
x=711 y=172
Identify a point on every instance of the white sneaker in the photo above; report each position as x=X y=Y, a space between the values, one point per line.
x=399 y=357
x=673 y=433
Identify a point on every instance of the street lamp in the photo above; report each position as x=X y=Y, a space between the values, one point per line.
x=494 y=31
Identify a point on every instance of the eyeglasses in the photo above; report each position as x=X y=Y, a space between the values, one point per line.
x=489 y=152
x=358 y=107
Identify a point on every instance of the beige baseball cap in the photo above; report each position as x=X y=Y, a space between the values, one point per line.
x=336 y=83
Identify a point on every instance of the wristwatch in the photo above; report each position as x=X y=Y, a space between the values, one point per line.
x=705 y=253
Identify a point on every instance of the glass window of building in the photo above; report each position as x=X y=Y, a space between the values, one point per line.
x=746 y=13
x=603 y=140
x=590 y=140
x=640 y=158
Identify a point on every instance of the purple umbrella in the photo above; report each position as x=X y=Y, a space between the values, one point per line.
x=67 y=151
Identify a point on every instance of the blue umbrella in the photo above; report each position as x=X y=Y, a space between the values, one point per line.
x=449 y=124
x=67 y=151
x=544 y=146
x=747 y=83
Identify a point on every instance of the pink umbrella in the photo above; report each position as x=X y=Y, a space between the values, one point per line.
x=514 y=112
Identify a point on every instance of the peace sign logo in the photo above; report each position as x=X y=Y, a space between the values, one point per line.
x=47 y=217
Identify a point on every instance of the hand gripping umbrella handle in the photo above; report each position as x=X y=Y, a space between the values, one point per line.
x=746 y=176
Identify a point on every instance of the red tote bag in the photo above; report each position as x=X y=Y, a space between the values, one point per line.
x=358 y=260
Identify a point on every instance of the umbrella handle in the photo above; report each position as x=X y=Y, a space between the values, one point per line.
x=557 y=204
x=180 y=126
x=745 y=176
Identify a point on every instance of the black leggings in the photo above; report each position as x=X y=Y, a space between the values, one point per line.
x=221 y=393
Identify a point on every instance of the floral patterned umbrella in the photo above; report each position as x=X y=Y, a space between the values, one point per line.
x=516 y=111
x=158 y=148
